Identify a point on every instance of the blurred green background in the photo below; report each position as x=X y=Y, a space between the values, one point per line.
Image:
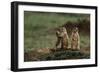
x=39 y=28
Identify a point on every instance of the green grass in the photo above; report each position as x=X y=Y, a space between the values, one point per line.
x=64 y=55
x=85 y=41
x=57 y=55
x=38 y=28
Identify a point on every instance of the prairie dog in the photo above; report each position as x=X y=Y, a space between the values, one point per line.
x=75 y=39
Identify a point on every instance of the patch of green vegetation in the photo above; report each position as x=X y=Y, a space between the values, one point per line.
x=84 y=41
x=64 y=55
x=59 y=55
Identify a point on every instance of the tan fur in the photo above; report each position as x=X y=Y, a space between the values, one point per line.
x=75 y=39
x=62 y=38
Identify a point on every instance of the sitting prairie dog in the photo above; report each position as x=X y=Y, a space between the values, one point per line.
x=75 y=39
x=62 y=38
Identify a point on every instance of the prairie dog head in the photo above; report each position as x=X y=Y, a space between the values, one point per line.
x=61 y=31
x=75 y=30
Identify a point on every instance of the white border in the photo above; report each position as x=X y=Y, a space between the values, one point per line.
x=22 y=64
